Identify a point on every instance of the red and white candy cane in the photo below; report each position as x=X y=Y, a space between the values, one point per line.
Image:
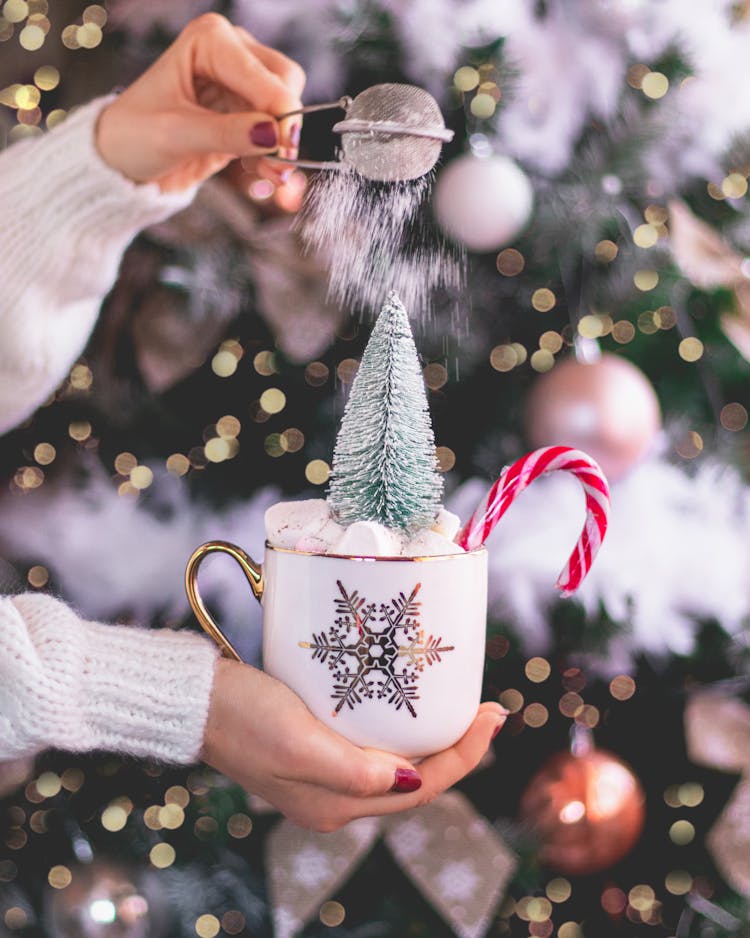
x=514 y=479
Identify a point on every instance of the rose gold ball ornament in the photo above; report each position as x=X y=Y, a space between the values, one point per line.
x=587 y=810
x=483 y=202
x=104 y=899
x=607 y=408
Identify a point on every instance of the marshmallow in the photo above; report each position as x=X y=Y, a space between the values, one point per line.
x=447 y=524
x=368 y=539
x=430 y=544
x=288 y=522
x=323 y=541
x=307 y=526
x=312 y=545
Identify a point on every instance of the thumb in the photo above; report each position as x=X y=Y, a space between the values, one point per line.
x=330 y=761
x=237 y=134
x=372 y=772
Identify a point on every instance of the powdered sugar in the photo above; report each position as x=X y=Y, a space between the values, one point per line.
x=377 y=238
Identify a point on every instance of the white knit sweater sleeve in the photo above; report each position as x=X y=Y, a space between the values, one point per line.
x=65 y=220
x=75 y=685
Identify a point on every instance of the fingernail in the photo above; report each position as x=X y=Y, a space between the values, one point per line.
x=264 y=134
x=294 y=134
x=286 y=174
x=406 y=780
x=497 y=729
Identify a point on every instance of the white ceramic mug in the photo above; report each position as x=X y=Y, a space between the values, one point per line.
x=387 y=651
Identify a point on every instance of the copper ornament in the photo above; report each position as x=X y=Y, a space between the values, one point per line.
x=587 y=810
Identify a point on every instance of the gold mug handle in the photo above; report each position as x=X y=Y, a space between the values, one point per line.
x=252 y=570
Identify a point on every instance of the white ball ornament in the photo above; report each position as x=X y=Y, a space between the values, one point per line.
x=607 y=408
x=483 y=202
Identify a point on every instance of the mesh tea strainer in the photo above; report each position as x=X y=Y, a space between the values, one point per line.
x=390 y=132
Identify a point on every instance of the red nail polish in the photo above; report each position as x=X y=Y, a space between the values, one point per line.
x=496 y=730
x=406 y=780
x=264 y=134
x=294 y=133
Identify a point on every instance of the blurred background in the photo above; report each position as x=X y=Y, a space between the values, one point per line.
x=597 y=182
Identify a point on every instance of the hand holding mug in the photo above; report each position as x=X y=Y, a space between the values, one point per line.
x=261 y=734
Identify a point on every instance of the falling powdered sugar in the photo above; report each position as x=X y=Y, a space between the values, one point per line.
x=378 y=237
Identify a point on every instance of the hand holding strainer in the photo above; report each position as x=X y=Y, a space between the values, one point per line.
x=391 y=132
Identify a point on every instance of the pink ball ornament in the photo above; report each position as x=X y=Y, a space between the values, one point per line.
x=606 y=408
x=483 y=202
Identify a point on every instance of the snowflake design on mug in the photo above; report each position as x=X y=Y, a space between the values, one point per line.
x=376 y=651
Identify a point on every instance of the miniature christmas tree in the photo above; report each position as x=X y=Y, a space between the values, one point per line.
x=384 y=464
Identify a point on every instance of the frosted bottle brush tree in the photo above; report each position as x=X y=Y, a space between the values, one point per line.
x=384 y=463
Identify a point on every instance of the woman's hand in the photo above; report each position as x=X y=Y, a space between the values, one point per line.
x=261 y=735
x=211 y=97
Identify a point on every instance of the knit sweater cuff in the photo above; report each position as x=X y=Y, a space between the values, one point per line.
x=97 y=211
x=147 y=692
x=82 y=686
x=86 y=212
x=67 y=218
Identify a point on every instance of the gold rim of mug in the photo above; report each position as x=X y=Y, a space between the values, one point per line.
x=399 y=559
